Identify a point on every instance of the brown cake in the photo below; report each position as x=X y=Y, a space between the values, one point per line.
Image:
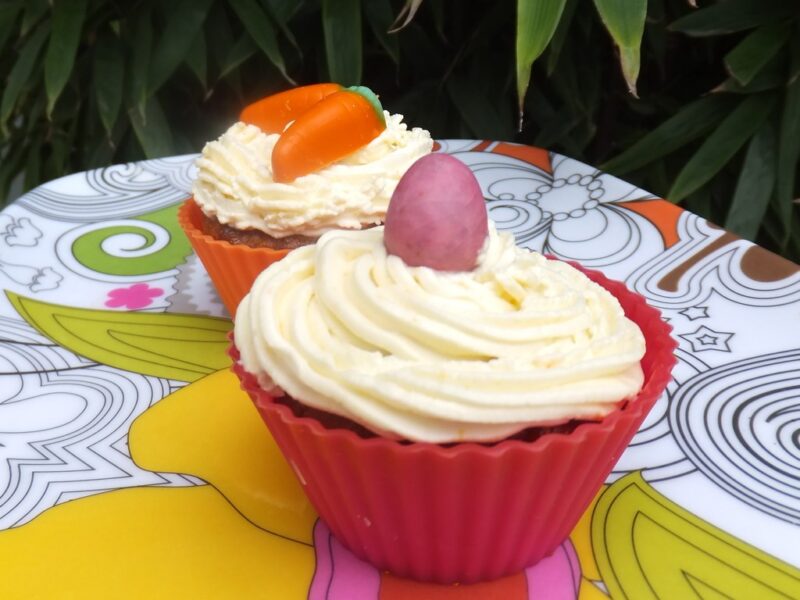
x=252 y=237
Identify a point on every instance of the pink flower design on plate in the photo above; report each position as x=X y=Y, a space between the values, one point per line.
x=136 y=296
x=339 y=575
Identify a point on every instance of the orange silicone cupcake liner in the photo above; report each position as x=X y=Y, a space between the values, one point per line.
x=231 y=267
x=467 y=512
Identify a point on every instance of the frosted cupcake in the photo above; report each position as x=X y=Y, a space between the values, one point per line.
x=415 y=384
x=297 y=165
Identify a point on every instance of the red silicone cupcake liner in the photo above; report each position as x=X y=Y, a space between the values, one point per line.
x=467 y=512
x=231 y=267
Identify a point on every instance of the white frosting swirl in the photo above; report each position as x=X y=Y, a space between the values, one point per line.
x=235 y=184
x=433 y=356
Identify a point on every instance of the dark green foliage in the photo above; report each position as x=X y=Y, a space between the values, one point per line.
x=716 y=125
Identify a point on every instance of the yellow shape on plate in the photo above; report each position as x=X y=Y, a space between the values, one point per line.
x=174 y=346
x=589 y=591
x=646 y=546
x=211 y=429
x=581 y=538
x=147 y=543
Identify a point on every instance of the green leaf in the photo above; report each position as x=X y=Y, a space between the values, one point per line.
x=439 y=19
x=34 y=11
x=754 y=186
x=793 y=244
x=152 y=129
x=8 y=17
x=61 y=144
x=13 y=162
x=379 y=16
x=772 y=75
x=406 y=15
x=567 y=81
x=492 y=23
x=140 y=60
x=624 y=20
x=185 y=19
x=34 y=114
x=174 y=346
x=557 y=129
x=197 y=59
x=773 y=229
x=656 y=32
x=536 y=23
x=58 y=62
x=789 y=146
x=732 y=16
x=722 y=144
x=424 y=105
x=341 y=25
x=750 y=55
x=281 y=11
x=560 y=35
x=20 y=74
x=218 y=28
x=475 y=108
x=108 y=73
x=699 y=203
x=99 y=153
x=243 y=49
x=260 y=28
x=552 y=124
x=693 y=120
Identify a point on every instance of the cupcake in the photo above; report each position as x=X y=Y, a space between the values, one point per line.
x=450 y=402
x=298 y=164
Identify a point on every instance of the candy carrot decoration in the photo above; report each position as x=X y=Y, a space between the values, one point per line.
x=334 y=127
x=272 y=113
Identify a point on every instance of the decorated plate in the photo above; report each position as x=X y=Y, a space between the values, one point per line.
x=132 y=466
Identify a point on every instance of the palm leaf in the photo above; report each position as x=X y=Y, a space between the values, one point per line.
x=379 y=17
x=108 y=73
x=341 y=25
x=20 y=74
x=58 y=62
x=560 y=35
x=180 y=32
x=722 y=144
x=691 y=122
x=142 y=38
x=750 y=55
x=624 y=20
x=152 y=129
x=755 y=184
x=732 y=16
x=789 y=146
x=34 y=11
x=8 y=18
x=405 y=16
x=536 y=23
x=260 y=28
x=197 y=58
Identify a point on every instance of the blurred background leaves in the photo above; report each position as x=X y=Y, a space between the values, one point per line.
x=715 y=126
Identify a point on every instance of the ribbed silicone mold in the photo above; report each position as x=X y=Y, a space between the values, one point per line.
x=466 y=512
x=231 y=267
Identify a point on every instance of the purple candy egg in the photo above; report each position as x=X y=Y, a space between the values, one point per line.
x=437 y=215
